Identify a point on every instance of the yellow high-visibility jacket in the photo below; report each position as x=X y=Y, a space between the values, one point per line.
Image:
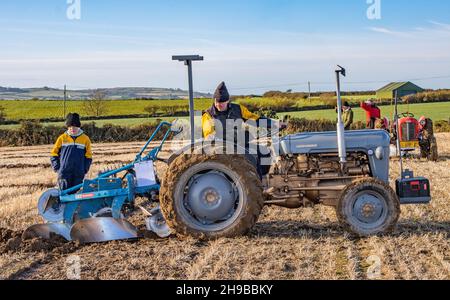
x=234 y=112
x=71 y=156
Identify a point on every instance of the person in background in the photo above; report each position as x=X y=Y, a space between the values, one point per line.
x=347 y=115
x=372 y=113
x=382 y=124
x=71 y=157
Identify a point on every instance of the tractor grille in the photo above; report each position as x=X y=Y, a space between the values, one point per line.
x=408 y=132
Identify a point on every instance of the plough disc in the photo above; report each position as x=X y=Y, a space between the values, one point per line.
x=157 y=223
x=49 y=206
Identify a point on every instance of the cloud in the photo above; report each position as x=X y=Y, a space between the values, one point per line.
x=440 y=25
x=435 y=32
x=390 y=32
x=94 y=36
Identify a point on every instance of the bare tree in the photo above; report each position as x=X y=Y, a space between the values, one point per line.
x=96 y=104
x=151 y=110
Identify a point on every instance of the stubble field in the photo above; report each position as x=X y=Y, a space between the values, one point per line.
x=285 y=244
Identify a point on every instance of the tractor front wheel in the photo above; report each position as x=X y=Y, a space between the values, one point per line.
x=368 y=207
x=210 y=197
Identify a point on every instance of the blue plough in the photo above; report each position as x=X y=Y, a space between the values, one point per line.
x=94 y=210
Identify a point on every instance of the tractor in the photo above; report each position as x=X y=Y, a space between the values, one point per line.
x=208 y=194
x=417 y=134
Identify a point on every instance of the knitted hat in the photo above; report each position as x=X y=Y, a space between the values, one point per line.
x=73 y=120
x=221 y=94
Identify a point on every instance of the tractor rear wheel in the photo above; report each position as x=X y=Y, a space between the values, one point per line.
x=429 y=149
x=210 y=197
x=368 y=207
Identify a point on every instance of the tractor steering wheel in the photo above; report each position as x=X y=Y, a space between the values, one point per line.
x=407 y=115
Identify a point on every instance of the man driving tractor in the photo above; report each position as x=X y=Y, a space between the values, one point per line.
x=222 y=111
x=215 y=119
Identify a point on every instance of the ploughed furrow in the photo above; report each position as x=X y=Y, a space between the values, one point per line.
x=48 y=165
x=381 y=265
x=410 y=258
x=18 y=256
x=207 y=262
x=145 y=259
x=29 y=186
x=349 y=260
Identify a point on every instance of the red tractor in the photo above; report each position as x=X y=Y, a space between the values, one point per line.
x=414 y=134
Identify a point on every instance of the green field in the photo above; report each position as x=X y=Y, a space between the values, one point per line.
x=34 y=109
x=43 y=109
x=46 y=109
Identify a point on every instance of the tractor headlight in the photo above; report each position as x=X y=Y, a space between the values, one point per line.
x=379 y=153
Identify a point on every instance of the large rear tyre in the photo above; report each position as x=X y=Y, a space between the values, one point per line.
x=210 y=197
x=429 y=149
x=368 y=207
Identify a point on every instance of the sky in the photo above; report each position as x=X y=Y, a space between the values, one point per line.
x=252 y=45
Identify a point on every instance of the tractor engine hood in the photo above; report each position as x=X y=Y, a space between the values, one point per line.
x=326 y=142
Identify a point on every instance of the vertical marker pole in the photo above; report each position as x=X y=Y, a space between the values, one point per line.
x=191 y=100
x=309 y=91
x=397 y=129
x=188 y=59
x=65 y=99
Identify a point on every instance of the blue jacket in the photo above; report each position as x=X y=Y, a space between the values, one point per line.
x=71 y=156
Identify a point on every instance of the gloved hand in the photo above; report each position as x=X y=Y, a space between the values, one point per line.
x=283 y=125
x=210 y=137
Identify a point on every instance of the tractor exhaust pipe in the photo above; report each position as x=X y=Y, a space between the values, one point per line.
x=340 y=125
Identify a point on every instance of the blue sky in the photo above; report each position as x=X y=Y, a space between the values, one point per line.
x=254 y=45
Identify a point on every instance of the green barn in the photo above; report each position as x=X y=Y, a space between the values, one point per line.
x=402 y=88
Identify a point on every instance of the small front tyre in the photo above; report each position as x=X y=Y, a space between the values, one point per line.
x=368 y=207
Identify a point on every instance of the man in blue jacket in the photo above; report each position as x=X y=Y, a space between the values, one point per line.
x=71 y=157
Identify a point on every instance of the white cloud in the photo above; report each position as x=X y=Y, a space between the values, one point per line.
x=440 y=25
x=390 y=32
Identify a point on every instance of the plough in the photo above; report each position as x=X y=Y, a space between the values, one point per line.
x=95 y=210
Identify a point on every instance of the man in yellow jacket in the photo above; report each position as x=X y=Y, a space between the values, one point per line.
x=222 y=111
x=215 y=119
